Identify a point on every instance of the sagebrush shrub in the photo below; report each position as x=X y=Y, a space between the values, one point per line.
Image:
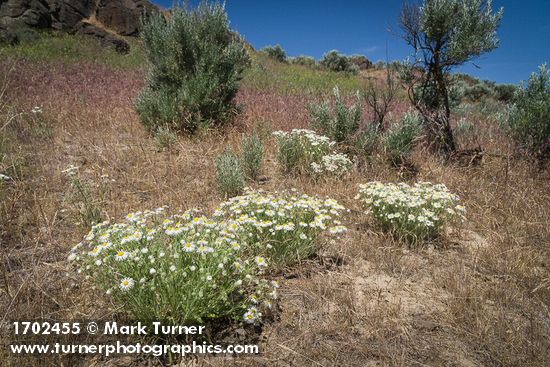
x=229 y=174
x=182 y=269
x=195 y=65
x=416 y=213
x=529 y=117
x=304 y=61
x=338 y=123
x=334 y=61
x=400 y=139
x=275 y=52
x=282 y=227
x=252 y=154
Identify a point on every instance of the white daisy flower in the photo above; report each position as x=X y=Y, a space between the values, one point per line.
x=126 y=284
x=121 y=255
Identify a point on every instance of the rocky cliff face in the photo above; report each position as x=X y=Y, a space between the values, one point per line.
x=105 y=19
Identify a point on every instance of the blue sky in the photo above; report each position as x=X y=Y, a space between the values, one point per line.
x=309 y=27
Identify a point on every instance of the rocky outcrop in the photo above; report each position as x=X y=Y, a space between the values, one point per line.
x=105 y=19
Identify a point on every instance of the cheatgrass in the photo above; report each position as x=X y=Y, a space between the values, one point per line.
x=72 y=49
x=282 y=227
x=415 y=213
x=296 y=79
x=87 y=199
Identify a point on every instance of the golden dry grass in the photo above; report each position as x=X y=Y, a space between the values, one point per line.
x=477 y=297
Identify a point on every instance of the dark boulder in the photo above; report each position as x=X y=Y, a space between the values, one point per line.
x=122 y=16
x=105 y=19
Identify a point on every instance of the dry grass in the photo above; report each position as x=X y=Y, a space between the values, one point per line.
x=478 y=297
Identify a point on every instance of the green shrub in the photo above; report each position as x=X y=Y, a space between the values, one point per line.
x=275 y=52
x=478 y=91
x=195 y=65
x=334 y=61
x=283 y=228
x=252 y=155
x=338 y=123
x=165 y=138
x=400 y=138
x=183 y=269
x=304 y=61
x=505 y=92
x=416 y=213
x=529 y=118
x=229 y=174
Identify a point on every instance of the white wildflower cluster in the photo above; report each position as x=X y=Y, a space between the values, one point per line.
x=182 y=267
x=336 y=164
x=282 y=227
x=190 y=267
x=307 y=137
x=417 y=212
x=305 y=150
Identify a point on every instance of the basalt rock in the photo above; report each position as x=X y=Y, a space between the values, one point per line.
x=105 y=19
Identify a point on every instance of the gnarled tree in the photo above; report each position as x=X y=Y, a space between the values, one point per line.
x=444 y=34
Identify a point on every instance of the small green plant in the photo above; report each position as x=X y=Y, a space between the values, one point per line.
x=338 y=123
x=275 y=52
x=87 y=201
x=195 y=65
x=165 y=138
x=229 y=174
x=529 y=117
x=299 y=148
x=183 y=269
x=282 y=227
x=416 y=213
x=367 y=141
x=304 y=151
x=252 y=154
x=400 y=139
